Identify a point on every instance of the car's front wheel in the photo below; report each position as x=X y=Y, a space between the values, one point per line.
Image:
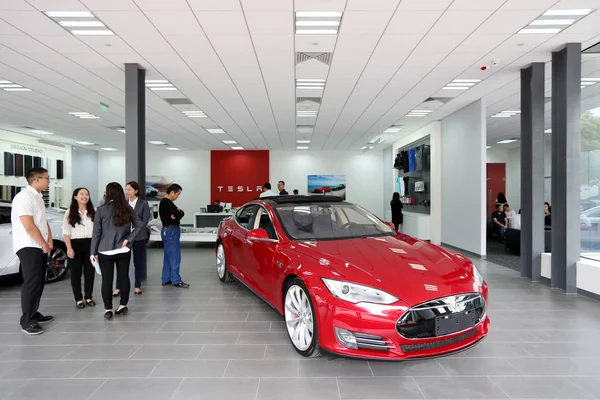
x=57 y=264
x=300 y=319
x=222 y=271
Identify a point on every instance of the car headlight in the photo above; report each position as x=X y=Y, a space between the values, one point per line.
x=478 y=277
x=354 y=293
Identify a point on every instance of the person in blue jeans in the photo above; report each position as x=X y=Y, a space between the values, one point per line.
x=499 y=221
x=170 y=216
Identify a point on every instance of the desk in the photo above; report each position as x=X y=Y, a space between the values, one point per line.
x=209 y=220
x=201 y=235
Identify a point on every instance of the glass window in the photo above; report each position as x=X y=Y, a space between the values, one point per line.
x=264 y=222
x=245 y=216
x=330 y=221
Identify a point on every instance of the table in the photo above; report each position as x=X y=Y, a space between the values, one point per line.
x=198 y=235
x=209 y=220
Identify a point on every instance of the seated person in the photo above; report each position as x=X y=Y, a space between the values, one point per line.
x=499 y=221
x=215 y=208
x=509 y=212
x=219 y=206
x=296 y=192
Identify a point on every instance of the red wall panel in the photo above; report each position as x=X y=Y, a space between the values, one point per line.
x=237 y=176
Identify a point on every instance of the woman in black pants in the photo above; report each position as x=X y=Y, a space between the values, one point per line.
x=142 y=210
x=397 y=216
x=77 y=232
x=111 y=244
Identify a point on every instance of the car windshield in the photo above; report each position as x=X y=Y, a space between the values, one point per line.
x=324 y=221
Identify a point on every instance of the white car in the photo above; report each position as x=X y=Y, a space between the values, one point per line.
x=58 y=263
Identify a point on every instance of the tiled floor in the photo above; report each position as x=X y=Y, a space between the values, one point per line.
x=220 y=342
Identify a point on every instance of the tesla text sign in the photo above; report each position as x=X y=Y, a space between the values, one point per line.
x=238 y=176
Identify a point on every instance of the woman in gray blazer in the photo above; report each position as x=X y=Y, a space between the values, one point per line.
x=113 y=230
x=142 y=211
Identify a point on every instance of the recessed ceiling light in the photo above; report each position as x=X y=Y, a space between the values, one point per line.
x=159 y=85
x=237 y=148
x=229 y=141
x=69 y=24
x=9 y=85
x=507 y=141
x=301 y=147
x=85 y=143
x=455 y=87
x=22 y=89
x=393 y=129
x=488 y=147
x=122 y=131
x=69 y=14
x=108 y=149
x=156 y=89
x=172 y=149
x=548 y=131
x=215 y=130
x=156 y=81
x=302 y=141
x=40 y=132
x=466 y=80
x=539 y=30
x=460 y=84
x=156 y=142
x=590 y=79
x=552 y=22
x=83 y=115
x=318 y=22
x=567 y=12
x=92 y=32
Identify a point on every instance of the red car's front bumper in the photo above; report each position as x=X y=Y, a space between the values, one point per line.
x=375 y=326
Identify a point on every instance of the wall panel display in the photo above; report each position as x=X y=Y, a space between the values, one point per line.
x=37 y=162
x=333 y=185
x=51 y=168
x=19 y=164
x=9 y=164
x=413 y=177
x=60 y=173
x=28 y=163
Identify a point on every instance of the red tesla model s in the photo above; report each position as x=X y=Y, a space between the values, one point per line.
x=345 y=282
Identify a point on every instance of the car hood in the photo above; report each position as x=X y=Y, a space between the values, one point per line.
x=412 y=270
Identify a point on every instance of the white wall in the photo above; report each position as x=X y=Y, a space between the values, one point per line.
x=85 y=172
x=463 y=178
x=388 y=181
x=363 y=170
x=190 y=169
x=413 y=225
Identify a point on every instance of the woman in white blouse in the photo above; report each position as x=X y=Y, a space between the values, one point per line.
x=78 y=226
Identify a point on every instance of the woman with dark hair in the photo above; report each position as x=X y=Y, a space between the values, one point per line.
x=397 y=216
x=111 y=243
x=142 y=210
x=500 y=200
x=77 y=232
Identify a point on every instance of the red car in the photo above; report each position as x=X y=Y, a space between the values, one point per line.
x=345 y=282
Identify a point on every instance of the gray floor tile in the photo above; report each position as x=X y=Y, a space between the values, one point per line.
x=167 y=352
x=209 y=338
x=46 y=369
x=222 y=389
x=79 y=327
x=482 y=367
x=282 y=352
x=150 y=338
x=190 y=369
x=262 y=368
x=557 y=366
x=164 y=317
x=263 y=338
x=298 y=389
x=189 y=326
x=500 y=350
x=459 y=388
x=379 y=388
x=407 y=368
x=124 y=326
x=589 y=385
x=265 y=317
x=235 y=326
x=324 y=368
x=118 y=369
x=9 y=386
x=89 y=338
x=95 y=352
x=221 y=316
x=58 y=389
x=37 y=353
x=137 y=389
x=233 y=352
x=536 y=387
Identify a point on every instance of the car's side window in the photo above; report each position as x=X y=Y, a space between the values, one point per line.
x=264 y=221
x=4 y=215
x=245 y=216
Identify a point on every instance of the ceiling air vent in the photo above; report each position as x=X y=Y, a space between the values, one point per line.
x=307 y=129
x=325 y=58
x=440 y=99
x=308 y=99
x=179 y=102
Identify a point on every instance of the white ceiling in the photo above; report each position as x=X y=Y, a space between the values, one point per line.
x=235 y=60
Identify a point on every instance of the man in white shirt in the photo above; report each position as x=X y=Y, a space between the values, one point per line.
x=267 y=192
x=32 y=241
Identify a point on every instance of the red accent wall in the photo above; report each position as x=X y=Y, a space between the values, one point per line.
x=237 y=175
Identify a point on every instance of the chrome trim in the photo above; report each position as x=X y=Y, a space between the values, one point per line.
x=250 y=239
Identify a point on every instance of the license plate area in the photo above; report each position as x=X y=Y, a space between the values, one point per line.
x=447 y=324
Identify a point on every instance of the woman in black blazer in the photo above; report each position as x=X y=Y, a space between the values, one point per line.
x=396 y=204
x=113 y=230
x=142 y=211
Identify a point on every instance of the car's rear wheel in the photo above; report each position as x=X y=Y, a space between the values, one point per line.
x=57 y=264
x=222 y=271
x=300 y=319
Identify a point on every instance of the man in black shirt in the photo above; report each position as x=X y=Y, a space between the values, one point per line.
x=170 y=216
x=499 y=221
x=281 y=188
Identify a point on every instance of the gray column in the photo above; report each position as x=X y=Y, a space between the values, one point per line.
x=532 y=170
x=566 y=165
x=135 y=125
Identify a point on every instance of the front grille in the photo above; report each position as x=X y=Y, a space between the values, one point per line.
x=407 y=348
x=371 y=342
x=442 y=317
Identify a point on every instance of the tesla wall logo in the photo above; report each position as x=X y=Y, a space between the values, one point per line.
x=237 y=176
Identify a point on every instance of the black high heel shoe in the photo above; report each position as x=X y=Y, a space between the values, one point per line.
x=123 y=311
x=108 y=315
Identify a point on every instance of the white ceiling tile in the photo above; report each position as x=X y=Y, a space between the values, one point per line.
x=56 y=5
x=424 y=4
x=189 y=44
x=528 y=5
x=161 y=5
x=32 y=22
x=275 y=44
x=110 y=5
x=412 y=22
x=507 y=21
x=364 y=22
x=320 y=5
x=270 y=22
x=222 y=22
x=127 y=22
x=24 y=44
x=576 y=4
x=315 y=43
x=476 y=4
x=107 y=45
x=280 y=5
x=485 y=43
x=14 y=5
x=64 y=44
x=212 y=5
x=175 y=22
x=148 y=43
x=460 y=21
x=7 y=29
x=372 y=5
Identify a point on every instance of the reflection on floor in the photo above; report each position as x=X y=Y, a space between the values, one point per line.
x=497 y=253
x=220 y=342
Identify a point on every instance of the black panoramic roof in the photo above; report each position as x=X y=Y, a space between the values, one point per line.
x=291 y=199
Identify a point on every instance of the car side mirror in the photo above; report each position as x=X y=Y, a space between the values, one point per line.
x=391 y=225
x=258 y=235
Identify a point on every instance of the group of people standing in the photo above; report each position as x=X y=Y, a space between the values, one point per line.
x=103 y=237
